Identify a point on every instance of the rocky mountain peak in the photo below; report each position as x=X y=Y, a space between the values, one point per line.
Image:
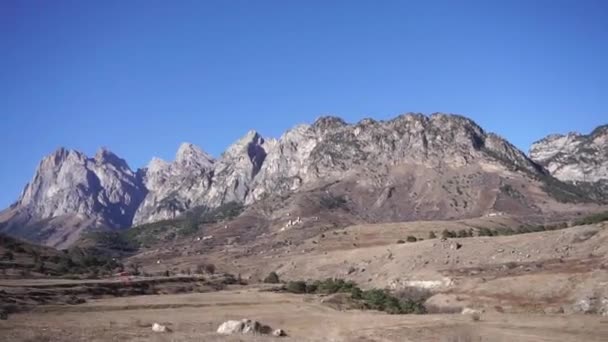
x=101 y=190
x=156 y=165
x=328 y=122
x=190 y=155
x=251 y=138
x=600 y=133
x=106 y=157
x=574 y=157
x=60 y=156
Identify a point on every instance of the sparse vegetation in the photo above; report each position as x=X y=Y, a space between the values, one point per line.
x=446 y=234
x=296 y=287
x=510 y=191
x=187 y=224
x=40 y=260
x=331 y=201
x=205 y=268
x=134 y=268
x=374 y=299
x=592 y=219
x=411 y=238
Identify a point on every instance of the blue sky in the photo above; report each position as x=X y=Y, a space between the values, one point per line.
x=139 y=77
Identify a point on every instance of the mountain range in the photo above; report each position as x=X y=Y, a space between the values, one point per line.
x=412 y=167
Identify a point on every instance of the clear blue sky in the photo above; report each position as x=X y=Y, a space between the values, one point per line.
x=139 y=77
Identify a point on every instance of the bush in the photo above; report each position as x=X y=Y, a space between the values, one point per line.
x=135 y=269
x=205 y=268
x=408 y=301
x=446 y=234
x=400 y=241
x=330 y=201
x=296 y=287
x=272 y=278
x=329 y=286
x=596 y=218
x=356 y=293
x=432 y=235
x=312 y=287
x=411 y=239
x=485 y=232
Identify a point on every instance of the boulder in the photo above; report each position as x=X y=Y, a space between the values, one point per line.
x=244 y=326
x=159 y=328
x=279 y=333
x=469 y=311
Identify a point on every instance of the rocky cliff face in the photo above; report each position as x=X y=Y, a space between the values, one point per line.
x=330 y=147
x=67 y=182
x=103 y=191
x=177 y=186
x=574 y=157
x=405 y=168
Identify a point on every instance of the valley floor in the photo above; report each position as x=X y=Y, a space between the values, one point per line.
x=195 y=317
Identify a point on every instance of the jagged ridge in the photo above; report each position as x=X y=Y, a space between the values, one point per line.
x=104 y=192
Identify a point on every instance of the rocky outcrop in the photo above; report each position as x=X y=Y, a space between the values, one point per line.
x=330 y=147
x=70 y=189
x=574 y=157
x=175 y=187
x=67 y=182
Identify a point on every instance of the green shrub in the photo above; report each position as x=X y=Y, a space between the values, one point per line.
x=296 y=287
x=356 y=293
x=272 y=278
x=312 y=287
x=595 y=218
x=330 y=201
x=374 y=298
x=403 y=302
x=330 y=285
x=205 y=268
x=411 y=238
x=446 y=234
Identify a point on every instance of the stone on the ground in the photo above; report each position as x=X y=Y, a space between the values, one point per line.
x=278 y=333
x=244 y=326
x=160 y=328
x=469 y=311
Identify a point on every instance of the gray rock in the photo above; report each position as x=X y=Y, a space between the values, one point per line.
x=86 y=192
x=244 y=326
x=574 y=157
x=175 y=187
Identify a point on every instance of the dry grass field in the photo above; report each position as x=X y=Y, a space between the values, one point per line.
x=195 y=317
